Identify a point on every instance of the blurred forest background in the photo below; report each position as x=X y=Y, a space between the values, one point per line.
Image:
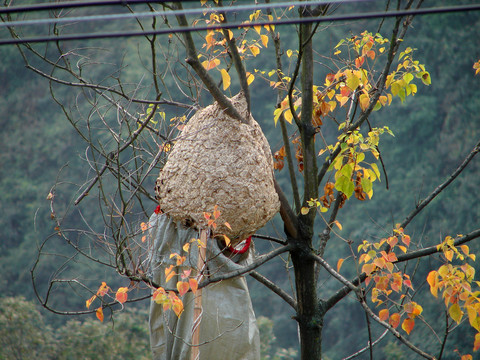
x=433 y=132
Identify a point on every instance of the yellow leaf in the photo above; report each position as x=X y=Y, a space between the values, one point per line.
x=210 y=64
x=250 y=77
x=352 y=81
x=255 y=50
x=227 y=240
x=225 y=79
x=304 y=210
x=258 y=28
x=270 y=27
x=339 y=264
x=473 y=317
x=264 y=39
x=289 y=52
x=186 y=247
x=364 y=101
x=288 y=116
x=448 y=254
x=276 y=115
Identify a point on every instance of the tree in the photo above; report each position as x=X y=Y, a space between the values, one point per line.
x=23 y=331
x=129 y=127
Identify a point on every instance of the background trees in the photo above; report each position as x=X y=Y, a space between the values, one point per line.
x=114 y=102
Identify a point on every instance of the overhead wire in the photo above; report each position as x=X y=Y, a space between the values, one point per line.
x=149 y=14
x=232 y=25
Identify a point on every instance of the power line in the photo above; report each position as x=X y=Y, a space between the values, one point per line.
x=333 y=18
x=71 y=4
x=151 y=14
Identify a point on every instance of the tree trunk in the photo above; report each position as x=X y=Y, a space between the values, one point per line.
x=309 y=315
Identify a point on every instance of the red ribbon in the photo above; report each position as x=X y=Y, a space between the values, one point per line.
x=244 y=249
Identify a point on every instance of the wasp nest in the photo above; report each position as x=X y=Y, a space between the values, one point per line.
x=217 y=160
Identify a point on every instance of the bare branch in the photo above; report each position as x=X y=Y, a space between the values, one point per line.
x=259 y=261
x=192 y=60
x=441 y=187
x=275 y=288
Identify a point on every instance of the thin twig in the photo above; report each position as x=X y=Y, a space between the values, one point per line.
x=275 y=288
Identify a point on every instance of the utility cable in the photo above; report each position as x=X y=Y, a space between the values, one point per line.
x=332 y=18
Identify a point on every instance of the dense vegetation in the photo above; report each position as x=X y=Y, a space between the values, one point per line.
x=433 y=132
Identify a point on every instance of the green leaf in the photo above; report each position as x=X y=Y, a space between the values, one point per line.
x=366 y=185
x=340 y=43
x=345 y=185
x=347 y=171
x=455 y=313
x=395 y=88
x=426 y=78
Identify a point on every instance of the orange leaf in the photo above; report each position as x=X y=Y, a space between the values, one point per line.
x=359 y=61
x=408 y=325
x=339 y=264
x=368 y=268
x=169 y=273
x=181 y=260
x=121 y=295
x=227 y=225
x=99 y=313
x=383 y=314
x=89 y=301
x=394 y=320
x=216 y=212
x=476 y=345
x=103 y=289
x=193 y=285
x=406 y=240
x=182 y=287
x=432 y=281
x=178 y=307
x=371 y=54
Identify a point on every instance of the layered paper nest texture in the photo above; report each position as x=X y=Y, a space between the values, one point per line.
x=217 y=160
